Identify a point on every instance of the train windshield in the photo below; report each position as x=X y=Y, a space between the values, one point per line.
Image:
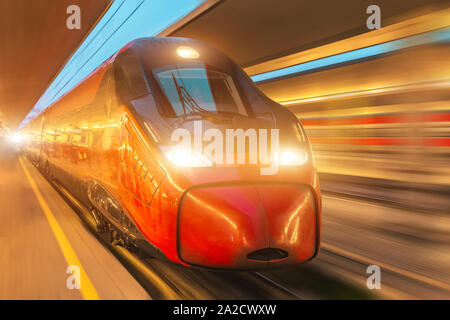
x=200 y=91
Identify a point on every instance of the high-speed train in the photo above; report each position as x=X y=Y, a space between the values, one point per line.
x=110 y=142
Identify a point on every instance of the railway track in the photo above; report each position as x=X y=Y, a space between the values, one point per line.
x=388 y=269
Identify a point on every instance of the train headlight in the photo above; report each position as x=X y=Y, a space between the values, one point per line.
x=292 y=157
x=188 y=158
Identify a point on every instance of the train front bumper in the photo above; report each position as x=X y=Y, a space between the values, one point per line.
x=247 y=226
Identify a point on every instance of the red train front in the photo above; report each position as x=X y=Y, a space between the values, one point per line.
x=177 y=153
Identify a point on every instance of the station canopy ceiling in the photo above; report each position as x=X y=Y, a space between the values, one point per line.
x=253 y=31
x=34 y=44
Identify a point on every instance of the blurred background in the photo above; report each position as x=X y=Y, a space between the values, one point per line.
x=375 y=104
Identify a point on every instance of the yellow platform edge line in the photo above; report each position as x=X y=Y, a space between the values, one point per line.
x=87 y=288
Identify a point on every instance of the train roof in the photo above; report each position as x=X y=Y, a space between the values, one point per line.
x=153 y=52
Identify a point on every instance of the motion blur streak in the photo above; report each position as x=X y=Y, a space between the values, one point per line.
x=87 y=289
x=356 y=55
x=401 y=271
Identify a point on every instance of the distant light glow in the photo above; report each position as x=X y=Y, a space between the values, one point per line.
x=410 y=86
x=16 y=138
x=124 y=21
x=355 y=55
x=188 y=53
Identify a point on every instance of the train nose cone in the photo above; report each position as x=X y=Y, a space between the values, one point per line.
x=246 y=226
x=292 y=220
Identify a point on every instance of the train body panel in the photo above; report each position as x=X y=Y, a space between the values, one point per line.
x=107 y=142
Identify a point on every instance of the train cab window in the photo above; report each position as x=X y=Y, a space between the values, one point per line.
x=130 y=79
x=199 y=90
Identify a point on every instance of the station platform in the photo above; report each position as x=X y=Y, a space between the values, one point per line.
x=41 y=236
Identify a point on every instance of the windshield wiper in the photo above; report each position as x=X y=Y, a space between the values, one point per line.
x=180 y=94
x=190 y=106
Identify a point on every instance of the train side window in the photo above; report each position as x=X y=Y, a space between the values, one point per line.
x=130 y=79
